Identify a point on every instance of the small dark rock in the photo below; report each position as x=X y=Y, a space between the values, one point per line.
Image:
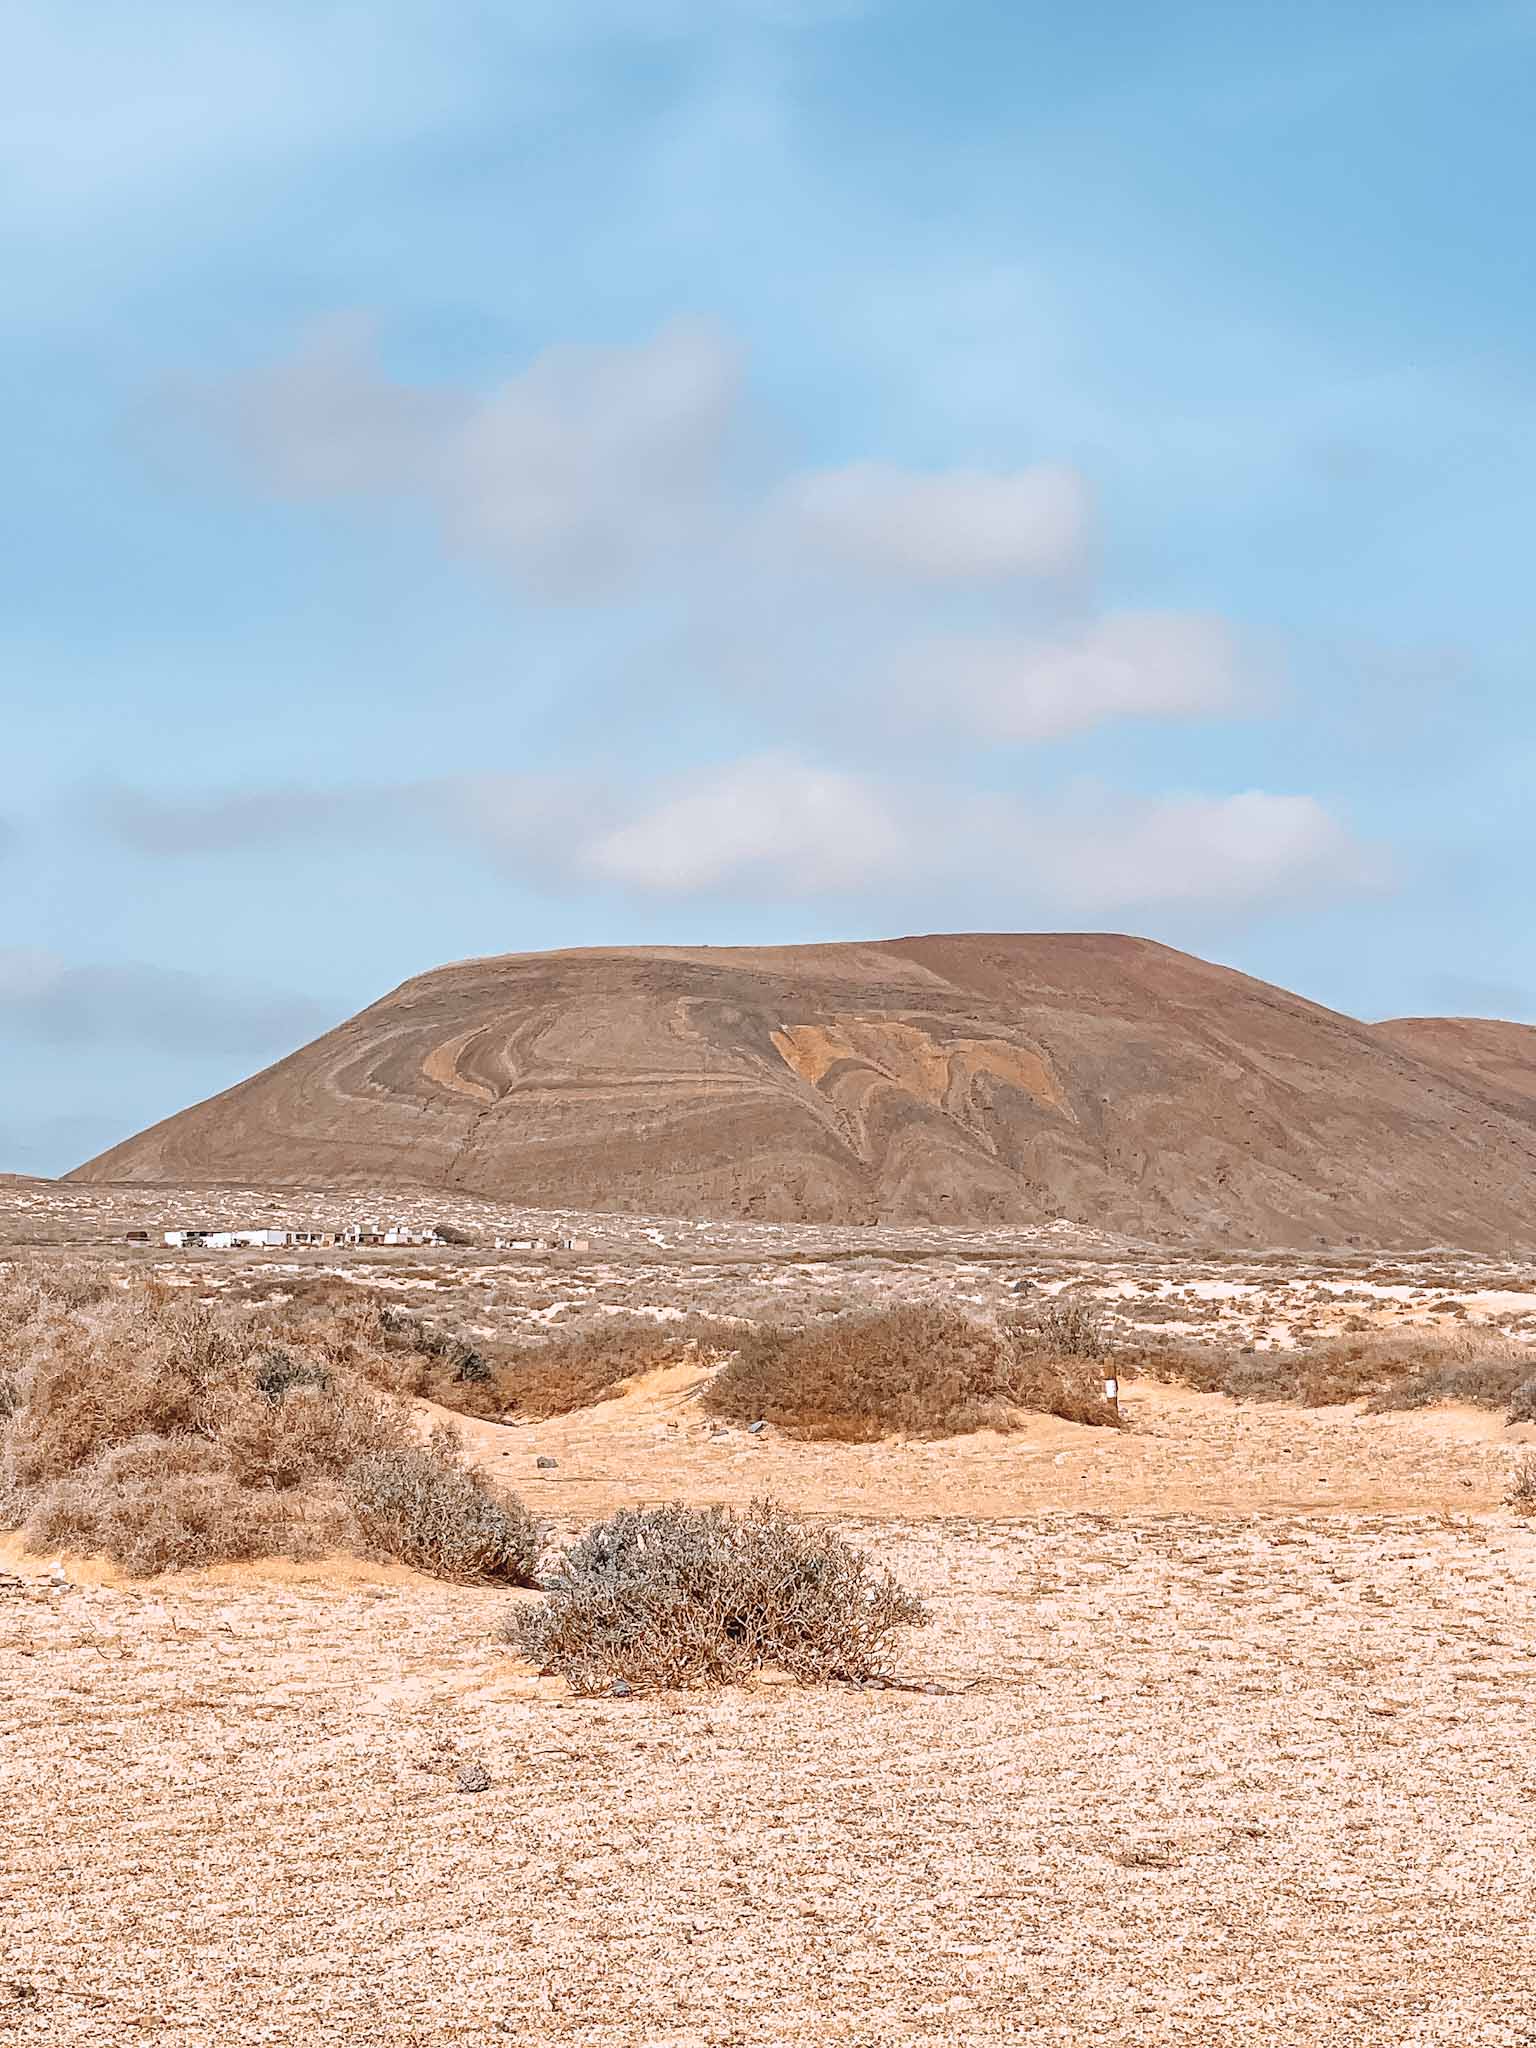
x=756 y=1428
x=620 y=1689
x=473 y=1778
x=545 y=1464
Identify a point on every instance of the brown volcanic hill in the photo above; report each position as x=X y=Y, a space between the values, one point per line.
x=950 y=1079
x=1495 y=1058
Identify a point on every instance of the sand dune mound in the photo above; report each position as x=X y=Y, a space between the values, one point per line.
x=964 y=1079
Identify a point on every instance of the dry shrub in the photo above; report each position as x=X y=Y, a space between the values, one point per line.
x=1474 y=1369
x=1064 y=1329
x=1346 y=1371
x=575 y=1368
x=417 y=1502
x=167 y=1432
x=307 y=1433
x=158 y=1504
x=676 y=1596
x=401 y=1330
x=1522 y=1486
x=1205 y=1367
x=921 y=1371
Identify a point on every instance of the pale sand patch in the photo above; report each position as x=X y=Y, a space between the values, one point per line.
x=325 y=1572
x=1185 y=1452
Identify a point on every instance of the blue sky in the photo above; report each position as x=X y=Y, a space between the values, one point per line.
x=486 y=478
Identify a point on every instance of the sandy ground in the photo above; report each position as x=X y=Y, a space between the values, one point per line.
x=1231 y=1747
x=1261 y=1781
x=1183 y=1453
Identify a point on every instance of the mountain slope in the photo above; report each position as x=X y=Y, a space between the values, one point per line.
x=1495 y=1058
x=952 y=1079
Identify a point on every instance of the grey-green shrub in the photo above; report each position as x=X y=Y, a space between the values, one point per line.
x=677 y=1596
x=419 y=1503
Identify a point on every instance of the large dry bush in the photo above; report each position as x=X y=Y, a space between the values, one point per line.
x=158 y=1503
x=166 y=1431
x=1480 y=1368
x=923 y=1371
x=677 y=1596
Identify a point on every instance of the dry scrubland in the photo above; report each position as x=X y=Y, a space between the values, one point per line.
x=1201 y=1724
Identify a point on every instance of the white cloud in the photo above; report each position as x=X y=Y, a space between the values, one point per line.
x=1110 y=854
x=784 y=827
x=775 y=826
x=595 y=461
x=772 y=823
x=947 y=526
x=1014 y=687
x=594 y=464
x=574 y=476
x=328 y=422
x=778 y=826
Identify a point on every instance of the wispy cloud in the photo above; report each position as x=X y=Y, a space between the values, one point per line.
x=104 y=107
x=784 y=827
x=593 y=465
x=956 y=526
x=575 y=475
x=45 y=998
x=1026 y=687
x=779 y=826
x=533 y=816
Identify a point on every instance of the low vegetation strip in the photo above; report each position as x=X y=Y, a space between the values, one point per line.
x=1388 y=1372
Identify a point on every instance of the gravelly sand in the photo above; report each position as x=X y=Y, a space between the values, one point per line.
x=1265 y=1780
x=1240 y=1754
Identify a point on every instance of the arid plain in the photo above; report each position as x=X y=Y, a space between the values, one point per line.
x=1219 y=1731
